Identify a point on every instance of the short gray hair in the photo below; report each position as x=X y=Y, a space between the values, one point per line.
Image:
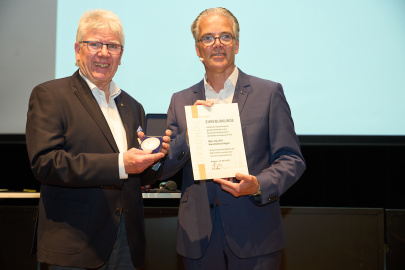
x=99 y=19
x=215 y=11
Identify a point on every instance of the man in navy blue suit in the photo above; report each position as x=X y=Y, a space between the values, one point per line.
x=233 y=223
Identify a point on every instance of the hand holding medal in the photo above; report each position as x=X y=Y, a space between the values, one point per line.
x=150 y=143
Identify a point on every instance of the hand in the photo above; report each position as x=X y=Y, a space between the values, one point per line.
x=207 y=103
x=136 y=161
x=166 y=142
x=248 y=184
x=141 y=135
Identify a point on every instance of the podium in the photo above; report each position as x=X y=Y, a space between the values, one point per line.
x=317 y=237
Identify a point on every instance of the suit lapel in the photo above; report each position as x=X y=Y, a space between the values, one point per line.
x=85 y=96
x=242 y=90
x=199 y=92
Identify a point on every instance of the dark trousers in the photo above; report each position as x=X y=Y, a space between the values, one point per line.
x=120 y=257
x=219 y=256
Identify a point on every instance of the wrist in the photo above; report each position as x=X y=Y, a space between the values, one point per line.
x=257 y=193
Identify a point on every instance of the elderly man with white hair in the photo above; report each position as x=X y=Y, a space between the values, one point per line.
x=83 y=145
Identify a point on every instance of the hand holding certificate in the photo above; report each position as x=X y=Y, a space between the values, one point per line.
x=216 y=142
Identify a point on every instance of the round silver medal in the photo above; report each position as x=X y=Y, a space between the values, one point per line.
x=150 y=143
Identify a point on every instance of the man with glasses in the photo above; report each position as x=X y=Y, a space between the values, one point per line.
x=233 y=223
x=78 y=133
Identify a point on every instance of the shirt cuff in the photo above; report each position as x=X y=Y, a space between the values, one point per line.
x=121 y=167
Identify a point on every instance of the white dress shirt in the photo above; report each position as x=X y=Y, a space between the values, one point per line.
x=225 y=95
x=112 y=116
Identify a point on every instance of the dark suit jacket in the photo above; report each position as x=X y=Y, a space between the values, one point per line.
x=73 y=154
x=273 y=156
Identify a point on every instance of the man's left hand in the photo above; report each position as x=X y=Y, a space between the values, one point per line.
x=248 y=184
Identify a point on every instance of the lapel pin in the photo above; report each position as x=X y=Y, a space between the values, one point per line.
x=122 y=105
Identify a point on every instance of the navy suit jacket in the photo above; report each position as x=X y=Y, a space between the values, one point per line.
x=74 y=155
x=273 y=155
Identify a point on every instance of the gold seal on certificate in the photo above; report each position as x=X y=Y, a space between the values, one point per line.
x=151 y=143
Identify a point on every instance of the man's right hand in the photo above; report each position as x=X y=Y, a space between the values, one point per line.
x=136 y=161
x=207 y=103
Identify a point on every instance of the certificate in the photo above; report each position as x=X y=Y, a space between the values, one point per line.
x=216 y=142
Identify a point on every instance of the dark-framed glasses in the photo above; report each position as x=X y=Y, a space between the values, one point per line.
x=96 y=46
x=225 y=39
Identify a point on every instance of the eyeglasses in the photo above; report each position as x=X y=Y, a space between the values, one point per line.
x=96 y=46
x=225 y=39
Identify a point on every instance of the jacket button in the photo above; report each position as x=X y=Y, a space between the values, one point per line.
x=117 y=211
x=211 y=205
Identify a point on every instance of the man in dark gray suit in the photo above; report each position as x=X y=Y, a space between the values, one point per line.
x=78 y=133
x=233 y=223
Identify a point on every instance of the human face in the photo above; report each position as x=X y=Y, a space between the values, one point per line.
x=218 y=58
x=98 y=67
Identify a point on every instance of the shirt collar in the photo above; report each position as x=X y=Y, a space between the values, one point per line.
x=114 y=89
x=230 y=82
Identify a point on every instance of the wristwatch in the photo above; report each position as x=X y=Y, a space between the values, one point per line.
x=257 y=193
